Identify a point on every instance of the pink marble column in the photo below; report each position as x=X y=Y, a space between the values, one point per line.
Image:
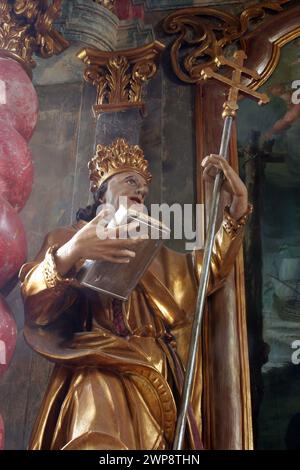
x=13 y=246
x=8 y=336
x=18 y=117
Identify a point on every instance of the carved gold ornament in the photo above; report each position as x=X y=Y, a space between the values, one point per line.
x=26 y=27
x=119 y=76
x=207 y=34
x=235 y=82
x=116 y=158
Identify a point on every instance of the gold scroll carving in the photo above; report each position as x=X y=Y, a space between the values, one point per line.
x=207 y=34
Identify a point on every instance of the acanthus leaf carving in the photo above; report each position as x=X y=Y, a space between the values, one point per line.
x=119 y=76
x=26 y=27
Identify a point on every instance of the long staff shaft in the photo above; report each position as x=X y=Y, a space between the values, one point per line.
x=196 y=330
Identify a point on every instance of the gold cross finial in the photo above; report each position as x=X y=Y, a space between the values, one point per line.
x=235 y=83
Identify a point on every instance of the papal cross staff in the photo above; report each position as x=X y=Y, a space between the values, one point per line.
x=229 y=113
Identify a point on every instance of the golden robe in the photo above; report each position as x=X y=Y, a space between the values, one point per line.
x=118 y=392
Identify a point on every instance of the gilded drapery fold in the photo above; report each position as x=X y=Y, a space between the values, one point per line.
x=109 y=391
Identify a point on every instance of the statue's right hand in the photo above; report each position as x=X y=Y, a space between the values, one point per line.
x=87 y=244
x=96 y=241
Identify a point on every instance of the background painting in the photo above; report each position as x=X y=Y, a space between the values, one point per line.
x=269 y=150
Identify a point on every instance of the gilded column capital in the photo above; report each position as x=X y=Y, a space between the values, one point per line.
x=119 y=76
x=26 y=27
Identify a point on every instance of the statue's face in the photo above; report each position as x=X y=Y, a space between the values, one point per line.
x=128 y=184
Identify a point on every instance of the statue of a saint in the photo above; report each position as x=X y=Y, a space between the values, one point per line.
x=119 y=366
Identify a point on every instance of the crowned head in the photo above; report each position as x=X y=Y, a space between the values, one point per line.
x=119 y=157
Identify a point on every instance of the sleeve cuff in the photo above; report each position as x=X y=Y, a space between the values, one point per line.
x=51 y=275
x=233 y=226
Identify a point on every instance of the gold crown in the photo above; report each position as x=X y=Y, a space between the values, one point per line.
x=117 y=158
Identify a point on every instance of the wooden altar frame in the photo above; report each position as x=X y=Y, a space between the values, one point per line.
x=231 y=428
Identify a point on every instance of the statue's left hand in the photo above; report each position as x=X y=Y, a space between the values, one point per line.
x=232 y=183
